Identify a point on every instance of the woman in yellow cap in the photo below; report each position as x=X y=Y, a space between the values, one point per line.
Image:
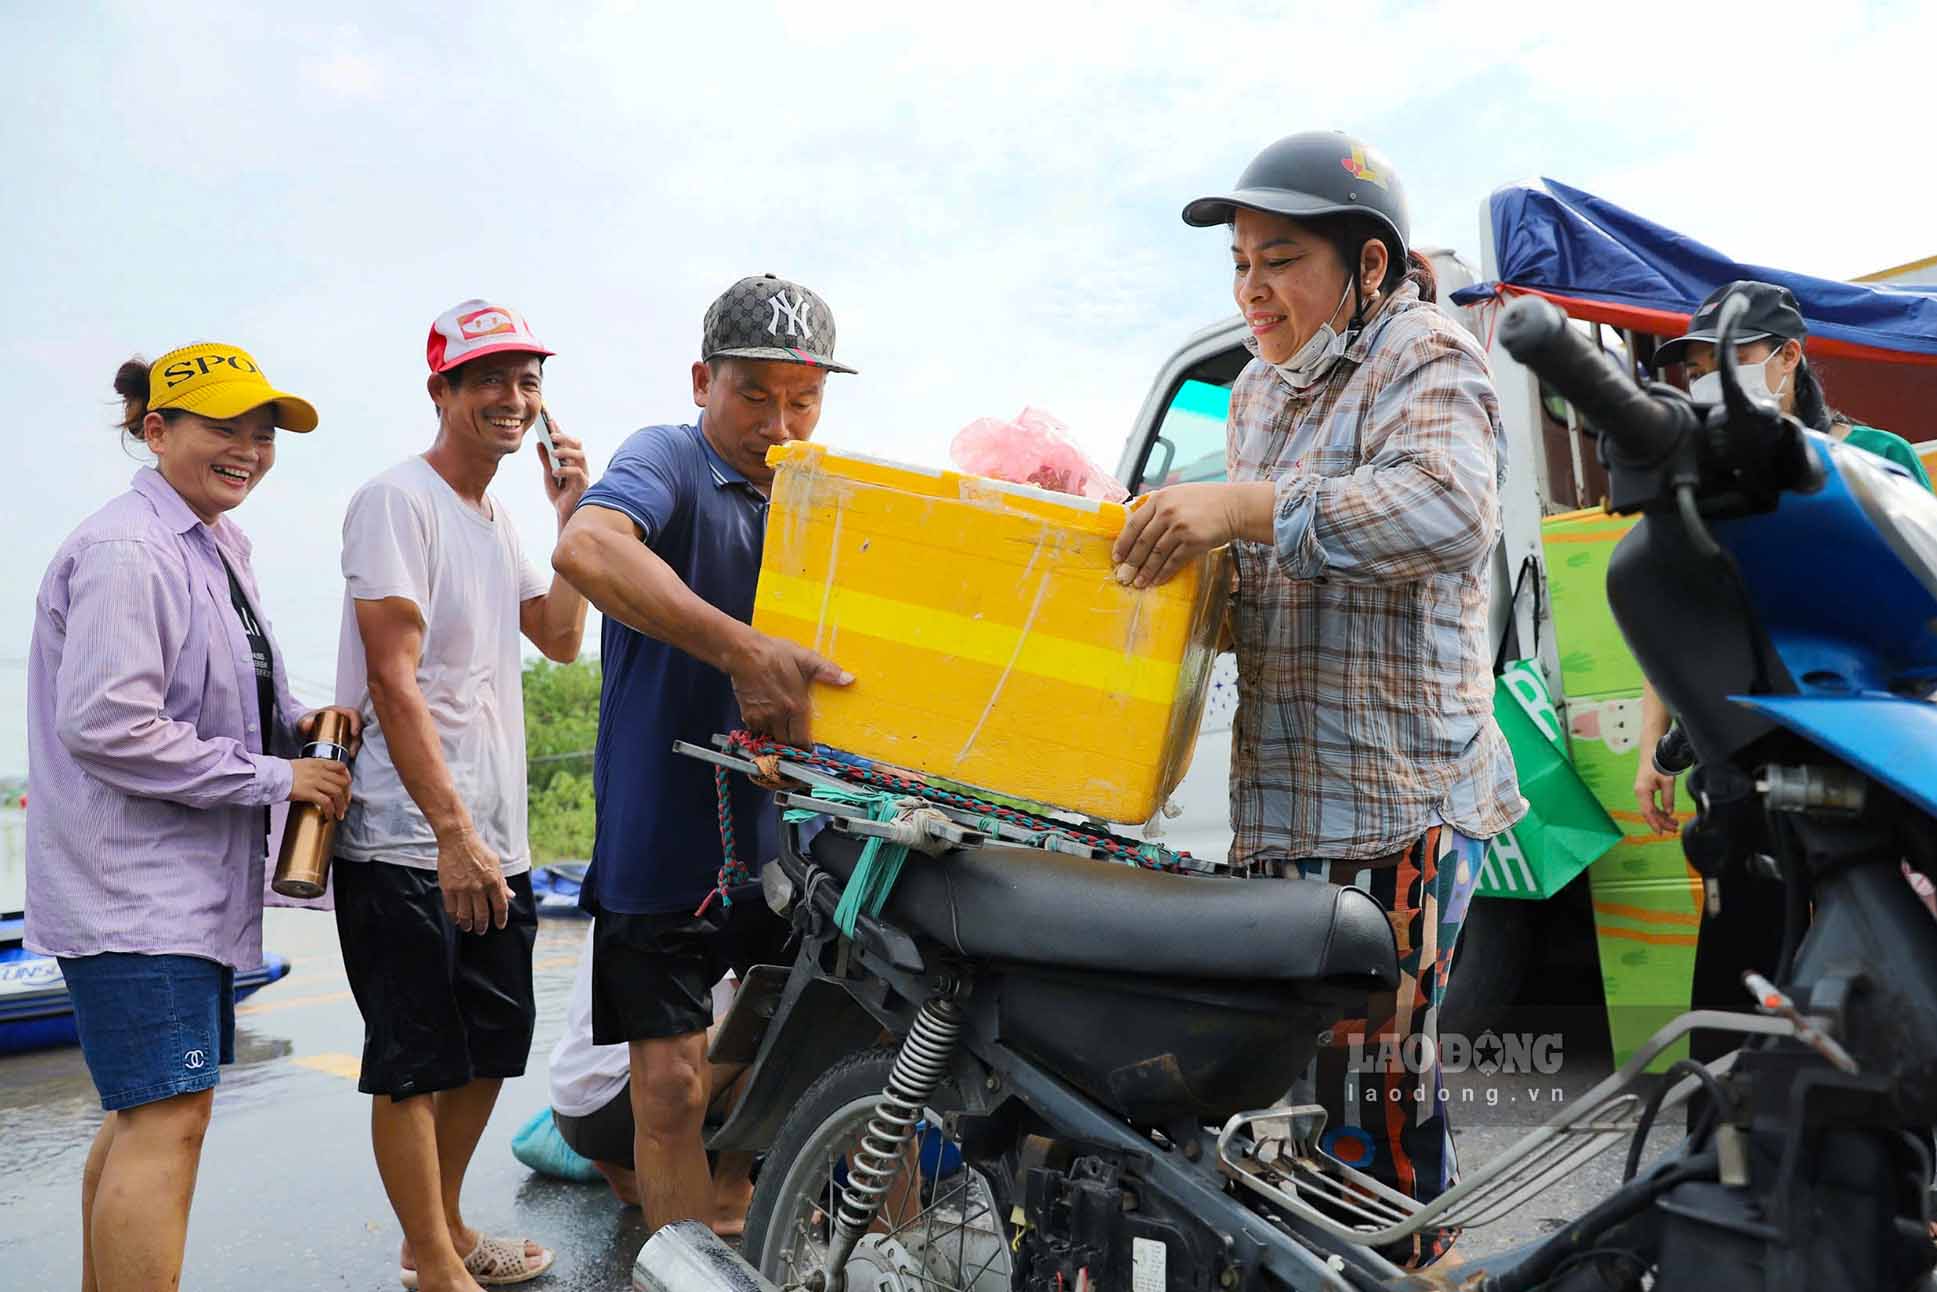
x=159 y=730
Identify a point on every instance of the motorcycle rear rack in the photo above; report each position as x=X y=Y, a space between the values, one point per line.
x=963 y=828
x=1275 y=1153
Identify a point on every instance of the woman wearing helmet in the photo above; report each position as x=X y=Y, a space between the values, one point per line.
x=1365 y=458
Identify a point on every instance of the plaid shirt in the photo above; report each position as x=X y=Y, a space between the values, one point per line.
x=1365 y=709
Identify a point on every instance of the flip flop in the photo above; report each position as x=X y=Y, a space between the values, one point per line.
x=497 y=1262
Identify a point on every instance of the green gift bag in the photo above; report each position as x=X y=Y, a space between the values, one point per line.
x=1566 y=829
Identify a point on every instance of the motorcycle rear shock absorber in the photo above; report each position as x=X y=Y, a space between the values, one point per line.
x=919 y=1067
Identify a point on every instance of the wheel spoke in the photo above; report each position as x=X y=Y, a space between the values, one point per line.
x=931 y=1230
x=986 y=1266
x=928 y=1213
x=831 y=1200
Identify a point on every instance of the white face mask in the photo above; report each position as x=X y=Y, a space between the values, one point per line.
x=1315 y=358
x=1707 y=388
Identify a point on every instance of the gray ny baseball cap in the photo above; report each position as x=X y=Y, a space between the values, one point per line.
x=770 y=318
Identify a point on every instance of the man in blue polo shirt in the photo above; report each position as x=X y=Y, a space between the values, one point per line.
x=667 y=546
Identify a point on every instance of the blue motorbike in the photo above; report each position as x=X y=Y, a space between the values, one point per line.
x=1780 y=590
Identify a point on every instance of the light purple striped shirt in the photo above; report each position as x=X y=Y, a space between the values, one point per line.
x=146 y=772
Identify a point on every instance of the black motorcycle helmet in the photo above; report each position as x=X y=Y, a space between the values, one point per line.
x=1314 y=175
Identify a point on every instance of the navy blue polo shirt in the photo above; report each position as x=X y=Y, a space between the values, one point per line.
x=657 y=847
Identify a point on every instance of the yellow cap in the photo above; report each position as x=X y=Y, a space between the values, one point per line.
x=220 y=382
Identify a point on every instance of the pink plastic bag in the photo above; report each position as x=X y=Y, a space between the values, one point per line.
x=1034 y=449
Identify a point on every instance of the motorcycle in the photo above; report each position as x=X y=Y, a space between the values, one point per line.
x=1017 y=1068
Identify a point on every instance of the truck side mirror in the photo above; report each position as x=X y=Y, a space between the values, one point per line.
x=1153 y=474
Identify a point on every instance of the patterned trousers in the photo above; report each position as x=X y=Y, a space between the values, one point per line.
x=1378 y=1075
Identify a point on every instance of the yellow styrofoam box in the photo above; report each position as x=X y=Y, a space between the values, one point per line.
x=989 y=639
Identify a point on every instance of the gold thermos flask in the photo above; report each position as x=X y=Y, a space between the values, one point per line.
x=303 y=868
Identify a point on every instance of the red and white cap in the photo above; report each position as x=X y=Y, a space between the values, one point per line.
x=475 y=328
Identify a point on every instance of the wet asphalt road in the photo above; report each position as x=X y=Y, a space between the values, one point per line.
x=289 y=1196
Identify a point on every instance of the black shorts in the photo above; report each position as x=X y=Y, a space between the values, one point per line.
x=653 y=975
x=440 y=1007
x=604 y=1135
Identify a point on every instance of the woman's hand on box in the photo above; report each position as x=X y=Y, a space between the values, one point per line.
x=1172 y=527
x=773 y=680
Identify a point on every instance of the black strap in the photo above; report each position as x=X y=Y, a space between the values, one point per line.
x=262 y=653
x=1529 y=567
x=262 y=663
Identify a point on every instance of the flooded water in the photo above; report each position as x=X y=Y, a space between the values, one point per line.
x=289 y=1195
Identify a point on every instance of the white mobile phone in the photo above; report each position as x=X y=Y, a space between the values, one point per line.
x=551 y=450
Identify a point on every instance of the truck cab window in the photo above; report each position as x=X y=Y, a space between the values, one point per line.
x=1189 y=444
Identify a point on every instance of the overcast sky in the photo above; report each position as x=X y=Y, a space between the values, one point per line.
x=989 y=202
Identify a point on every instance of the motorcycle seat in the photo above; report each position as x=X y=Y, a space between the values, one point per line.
x=1065 y=912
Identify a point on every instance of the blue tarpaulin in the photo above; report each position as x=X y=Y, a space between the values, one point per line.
x=1560 y=241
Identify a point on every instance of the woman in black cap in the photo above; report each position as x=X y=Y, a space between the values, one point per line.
x=1768 y=352
x=1365 y=458
x=1745 y=930
x=1770 y=365
x=1746 y=933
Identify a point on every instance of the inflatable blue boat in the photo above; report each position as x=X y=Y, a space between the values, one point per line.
x=34 y=1010
x=555 y=887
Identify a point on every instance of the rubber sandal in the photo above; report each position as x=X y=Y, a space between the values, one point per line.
x=496 y=1262
x=499 y=1262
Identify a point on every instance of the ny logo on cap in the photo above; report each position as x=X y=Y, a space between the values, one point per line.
x=485 y=322
x=796 y=313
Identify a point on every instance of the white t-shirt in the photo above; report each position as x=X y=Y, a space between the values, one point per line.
x=409 y=535
x=586 y=1077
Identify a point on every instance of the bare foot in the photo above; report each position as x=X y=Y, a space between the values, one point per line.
x=458 y=1281
x=625 y=1184
x=730 y=1202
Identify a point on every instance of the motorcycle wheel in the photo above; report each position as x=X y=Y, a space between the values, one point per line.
x=942 y=1226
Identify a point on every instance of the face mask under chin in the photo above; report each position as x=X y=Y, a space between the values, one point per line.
x=1323 y=349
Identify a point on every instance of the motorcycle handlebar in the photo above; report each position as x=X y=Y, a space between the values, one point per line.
x=1674 y=752
x=1536 y=333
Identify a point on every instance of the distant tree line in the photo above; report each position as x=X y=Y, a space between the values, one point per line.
x=561 y=725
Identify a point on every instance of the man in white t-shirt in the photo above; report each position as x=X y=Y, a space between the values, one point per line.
x=433 y=896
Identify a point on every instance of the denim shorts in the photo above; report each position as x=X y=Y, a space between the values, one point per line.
x=151 y=1026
